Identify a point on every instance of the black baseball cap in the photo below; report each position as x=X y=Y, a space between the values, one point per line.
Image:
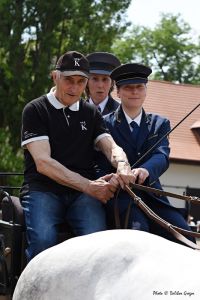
x=102 y=62
x=73 y=63
x=131 y=73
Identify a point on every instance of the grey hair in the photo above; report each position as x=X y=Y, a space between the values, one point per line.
x=58 y=74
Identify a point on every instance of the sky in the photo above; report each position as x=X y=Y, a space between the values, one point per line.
x=147 y=12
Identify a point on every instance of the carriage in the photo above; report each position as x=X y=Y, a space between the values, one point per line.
x=12 y=236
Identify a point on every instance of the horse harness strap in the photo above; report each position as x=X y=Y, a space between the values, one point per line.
x=148 y=189
x=176 y=231
x=116 y=211
x=164 y=193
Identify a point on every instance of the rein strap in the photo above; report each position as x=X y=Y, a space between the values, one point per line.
x=193 y=199
x=176 y=231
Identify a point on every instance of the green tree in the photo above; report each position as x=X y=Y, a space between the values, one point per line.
x=34 y=34
x=10 y=161
x=168 y=49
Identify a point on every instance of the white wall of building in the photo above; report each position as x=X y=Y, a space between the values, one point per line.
x=178 y=177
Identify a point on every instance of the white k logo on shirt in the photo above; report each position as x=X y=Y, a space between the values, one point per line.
x=83 y=125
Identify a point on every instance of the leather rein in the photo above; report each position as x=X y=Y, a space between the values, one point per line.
x=177 y=232
x=193 y=199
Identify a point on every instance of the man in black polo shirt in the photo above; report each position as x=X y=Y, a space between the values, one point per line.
x=59 y=131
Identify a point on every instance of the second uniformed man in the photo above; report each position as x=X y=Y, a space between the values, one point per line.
x=100 y=84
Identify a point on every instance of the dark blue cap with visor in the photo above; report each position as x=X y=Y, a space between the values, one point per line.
x=131 y=73
x=102 y=62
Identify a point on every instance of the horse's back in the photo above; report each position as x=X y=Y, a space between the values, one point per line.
x=115 y=264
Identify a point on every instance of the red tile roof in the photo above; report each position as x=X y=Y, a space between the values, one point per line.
x=175 y=101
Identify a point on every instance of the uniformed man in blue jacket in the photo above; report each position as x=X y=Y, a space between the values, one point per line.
x=136 y=131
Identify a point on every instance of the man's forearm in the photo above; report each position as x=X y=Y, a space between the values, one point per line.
x=62 y=175
x=112 y=151
x=118 y=156
x=118 y=159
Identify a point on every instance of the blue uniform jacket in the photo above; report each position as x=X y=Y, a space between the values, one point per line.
x=111 y=106
x=152 y=128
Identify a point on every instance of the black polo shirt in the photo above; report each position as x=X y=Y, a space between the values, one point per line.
x=71 y=131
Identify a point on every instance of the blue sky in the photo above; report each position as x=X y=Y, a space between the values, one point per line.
x=147 y=12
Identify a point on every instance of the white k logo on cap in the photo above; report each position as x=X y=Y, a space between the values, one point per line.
x=76 y=60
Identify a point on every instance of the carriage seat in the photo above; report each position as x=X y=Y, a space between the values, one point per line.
x=12 y=211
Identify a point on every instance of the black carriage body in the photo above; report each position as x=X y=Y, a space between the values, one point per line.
x=13 y=238
x=12 y=242
x=11 y=254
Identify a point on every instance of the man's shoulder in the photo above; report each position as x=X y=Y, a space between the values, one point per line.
x=114 y=102
x=110 y=118
x=157 y=120
x=84 y=104
x=155 y=117
x=37 y=102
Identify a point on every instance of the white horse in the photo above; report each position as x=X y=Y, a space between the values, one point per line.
x=112 y=265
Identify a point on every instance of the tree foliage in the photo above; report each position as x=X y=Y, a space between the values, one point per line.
x=11 y=160
x=35 y=33
x=168 y=49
